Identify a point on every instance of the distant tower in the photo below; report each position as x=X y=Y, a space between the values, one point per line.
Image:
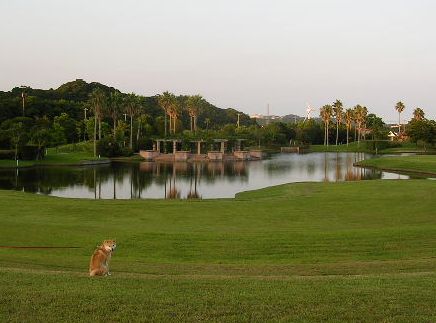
x=309 y=111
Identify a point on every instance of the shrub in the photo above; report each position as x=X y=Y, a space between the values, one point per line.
x=7 y=154
x=30 y=152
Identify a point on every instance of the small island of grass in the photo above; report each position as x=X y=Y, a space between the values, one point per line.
x=410 y=164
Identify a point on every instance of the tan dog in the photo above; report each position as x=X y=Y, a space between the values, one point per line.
x=99 y=265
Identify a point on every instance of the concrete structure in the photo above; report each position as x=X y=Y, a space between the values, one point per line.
x=223 y=143
x=149 y=154
x=198 y=143
x=181 y=155
x=215 y=155
x=257 y=154
x=242 y=154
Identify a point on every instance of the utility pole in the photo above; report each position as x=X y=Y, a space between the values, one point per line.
x=125 y=117
x=238 y=119
x=23 y=96
x=84 y=122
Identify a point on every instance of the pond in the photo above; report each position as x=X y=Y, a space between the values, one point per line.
x=188 y=180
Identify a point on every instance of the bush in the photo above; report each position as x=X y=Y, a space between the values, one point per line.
x=30 y=152
x=7 y=154
x=108 y=147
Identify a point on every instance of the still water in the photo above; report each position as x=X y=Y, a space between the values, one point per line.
x=188 y=180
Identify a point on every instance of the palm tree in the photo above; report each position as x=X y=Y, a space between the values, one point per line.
x=176 y=110
x=360 y=114
x=114 y=107
x=207 y=123
x=97 y=100
x=131 y=106
x=166 y=101
x=194 y=105
x=349 y=117
x=400 y=108
x=325 y=113
x=418 y=114
x=337 y=109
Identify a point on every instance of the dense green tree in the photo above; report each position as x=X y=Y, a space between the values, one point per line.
x=422 y=131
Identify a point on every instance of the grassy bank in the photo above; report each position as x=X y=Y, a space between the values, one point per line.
x=411 y=164
x=307 y=252
x=73 y=154
x=352 y=147
x=405 y=147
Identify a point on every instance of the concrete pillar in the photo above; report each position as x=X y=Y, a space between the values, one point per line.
x=174 y=146
x=222 y=147
x=198 y=148
x=158 y=146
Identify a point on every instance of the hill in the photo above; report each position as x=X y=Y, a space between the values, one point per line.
x=70 y=97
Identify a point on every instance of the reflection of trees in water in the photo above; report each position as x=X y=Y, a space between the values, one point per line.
x=274 y=167
x=193 y=193
x=46 y=179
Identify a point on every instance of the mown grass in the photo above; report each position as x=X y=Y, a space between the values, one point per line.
x=304 y=252
x=413 y=164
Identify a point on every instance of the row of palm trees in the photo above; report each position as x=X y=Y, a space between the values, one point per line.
x=117 y=104
x=418 y=114
x=356 y=117
x=353 y=116
x=173 y=107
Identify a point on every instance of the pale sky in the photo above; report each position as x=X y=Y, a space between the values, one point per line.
x=236 y=53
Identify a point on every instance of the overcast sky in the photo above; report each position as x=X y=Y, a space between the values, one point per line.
x=236 y=53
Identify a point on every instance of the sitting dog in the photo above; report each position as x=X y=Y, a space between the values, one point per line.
x=99 y=265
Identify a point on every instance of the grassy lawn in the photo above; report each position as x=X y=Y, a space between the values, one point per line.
x=354 y=251
x=418 y=163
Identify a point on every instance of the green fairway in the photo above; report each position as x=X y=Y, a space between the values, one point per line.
x=355 y=251
x=418 y=163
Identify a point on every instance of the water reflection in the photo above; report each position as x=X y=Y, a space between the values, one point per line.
x=188 y=180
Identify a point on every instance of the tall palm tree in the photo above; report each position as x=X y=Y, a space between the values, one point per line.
x=337 y=110
x=360 y=114
x=176 y=110
x=349 y=117
x=97 y=100
x=166 y=101
x=325 y=113
x=207 y=123
x=400 y=108
x=114 y=107
x=418 y=114
x=131 y=107
x=194 y=105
